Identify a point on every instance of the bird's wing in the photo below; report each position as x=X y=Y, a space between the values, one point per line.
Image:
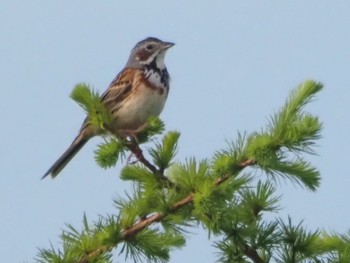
x=119 y=89
x=117 y=92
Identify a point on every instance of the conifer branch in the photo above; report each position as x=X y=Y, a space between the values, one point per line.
x=191 y=190
x=252 y=254
x=129 y=233
x=137 y=227
x=136 y=150
x=95 y=254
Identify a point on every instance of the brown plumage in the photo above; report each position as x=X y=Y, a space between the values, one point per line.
x=138 y=92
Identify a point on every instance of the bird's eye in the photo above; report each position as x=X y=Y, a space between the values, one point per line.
x=149 y=47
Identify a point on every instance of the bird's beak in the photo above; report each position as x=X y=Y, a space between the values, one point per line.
x=166 y=45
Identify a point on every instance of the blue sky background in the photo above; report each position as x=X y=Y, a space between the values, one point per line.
x=233 y=65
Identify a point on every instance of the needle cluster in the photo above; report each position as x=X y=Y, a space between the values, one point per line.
x=233 y=195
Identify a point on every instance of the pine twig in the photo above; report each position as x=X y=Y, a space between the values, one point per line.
x=137 y=227
x=143 y=223
x=136 y=150
x=252 y=254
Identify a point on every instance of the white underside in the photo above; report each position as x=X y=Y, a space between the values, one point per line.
x=137 y=109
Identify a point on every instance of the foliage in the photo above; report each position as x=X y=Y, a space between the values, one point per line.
x=89 y=100
x=225 y=193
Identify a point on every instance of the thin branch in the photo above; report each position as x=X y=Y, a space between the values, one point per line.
x=252 y=254
x=143 y=223
x=95 y=253
x=137 y=227
x=136 y=150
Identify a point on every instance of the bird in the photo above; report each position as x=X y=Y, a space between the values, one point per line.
x=138 y=92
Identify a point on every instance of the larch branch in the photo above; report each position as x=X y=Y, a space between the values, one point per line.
x=145 y=222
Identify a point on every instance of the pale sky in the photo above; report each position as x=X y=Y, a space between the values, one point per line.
x=233 y=65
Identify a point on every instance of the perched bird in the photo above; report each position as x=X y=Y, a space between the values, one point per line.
x=137 y=92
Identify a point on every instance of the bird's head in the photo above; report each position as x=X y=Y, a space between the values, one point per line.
x=148 y=51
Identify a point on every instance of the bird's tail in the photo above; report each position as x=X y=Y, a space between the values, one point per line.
x=73 y=149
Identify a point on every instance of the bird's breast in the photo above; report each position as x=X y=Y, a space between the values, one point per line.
x=146 y=100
